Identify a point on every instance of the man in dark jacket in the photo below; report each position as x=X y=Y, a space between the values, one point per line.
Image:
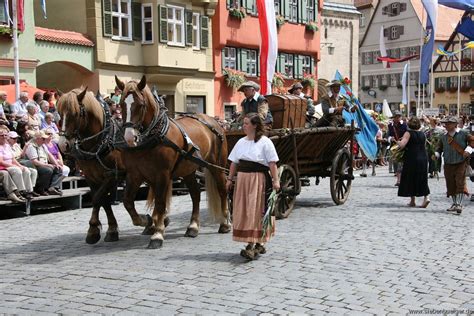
x=255 y=103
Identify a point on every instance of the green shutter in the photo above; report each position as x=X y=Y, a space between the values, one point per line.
x=436 y=83
x=299 y=66
x=286 y=9
x=204 y=32
x=163 y=18
x=301 y=8
x=228 y=3
x=189 y=27
x=316 y=8
x=3 y=13
x=107 y=18
x=448 y=82
x=251 y=6
x=281 y=59
x=137 y=21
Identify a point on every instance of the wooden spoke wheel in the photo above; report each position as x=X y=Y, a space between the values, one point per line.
x=341 y=176
x=290 y=188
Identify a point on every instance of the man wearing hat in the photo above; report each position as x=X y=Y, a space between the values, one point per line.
x=332 y=106
x=396 y=130
x=297 y=89
x=49 y=171
x=255 y=103
x=456 y=150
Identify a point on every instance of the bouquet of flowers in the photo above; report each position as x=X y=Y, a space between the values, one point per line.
x=432 y=142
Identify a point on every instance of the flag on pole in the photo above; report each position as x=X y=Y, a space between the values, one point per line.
x=43 y=6
x=404 y=84
x=383 y=50
x=20 y=13
x=465 y=5
x=431 y=7
x=368 y=128
x=269 y=44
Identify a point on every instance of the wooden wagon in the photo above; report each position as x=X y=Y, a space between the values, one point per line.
x=308 y=152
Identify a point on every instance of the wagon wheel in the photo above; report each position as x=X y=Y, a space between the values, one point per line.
x=341 y=176
x=289 y=186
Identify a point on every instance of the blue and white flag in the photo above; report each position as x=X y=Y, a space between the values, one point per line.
x=404 y=84
x=368 y=128
x=465 y=5
x=431 y=7
x=43 y=6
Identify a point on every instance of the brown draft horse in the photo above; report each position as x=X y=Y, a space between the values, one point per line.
x=157 y=165
x=83 y=122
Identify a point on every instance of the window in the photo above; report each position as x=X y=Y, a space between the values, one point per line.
x=442 y=109
x=465 y=109
x=121 y=19
x=293 y=8
x=196 y=31
x=366 y=80
x=368 y=58
x=393 y=32
x=395 y=8
x=376 y=81
x=175 y=26
x=310 y=16
x=466 y=54
x=229 y=110
x=4 y=14
x=393 y=80
x=288 y=65
x=248 y=62
x=384 y=80
x=415 y=50
x=196 y=104
x=442 y=82
x=147 y=23
x=466 y=81
x=414 y=78
x=278 y=7
x=375 y=55
x=306 y=64
x=453 y=109
x=230 y=59
x=453 y=82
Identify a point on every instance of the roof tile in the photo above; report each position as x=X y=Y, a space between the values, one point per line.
x=63 y=37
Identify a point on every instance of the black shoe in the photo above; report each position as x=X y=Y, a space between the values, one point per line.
x=53 y=191
x=34 y=194
x=259 y=248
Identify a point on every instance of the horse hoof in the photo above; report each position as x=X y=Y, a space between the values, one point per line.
x=224 y=229
x=167 y=221
x=92 y=239
x=149 y=230
x=110 y=237
x=191 y=232
x=155 y=244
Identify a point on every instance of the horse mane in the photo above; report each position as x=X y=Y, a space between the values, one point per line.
x=69 y=104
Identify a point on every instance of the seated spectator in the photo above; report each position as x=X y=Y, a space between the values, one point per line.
x=10 y=188
x=21 y=175
x=44 y=108
x=19 y=153
x=49 y=123
x=18 y=109
x=49 y=171
x=34 y=121
x=4 y=107
x=54 y=150
x=37 y=100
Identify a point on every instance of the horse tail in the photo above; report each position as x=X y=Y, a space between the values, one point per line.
x=150 y=199
x=214 y=203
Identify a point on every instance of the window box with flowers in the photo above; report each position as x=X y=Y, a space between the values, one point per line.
x=280 y=21
x=365 y=88
x=453 y=89
x=312 y=27
x=440 y=89
x=278 y=81
x=233 y=78
x=309 y=80
x=237 y=13
x=383 y=87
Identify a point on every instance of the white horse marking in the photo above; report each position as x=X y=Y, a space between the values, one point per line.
x=129 y=131
x=128 y=102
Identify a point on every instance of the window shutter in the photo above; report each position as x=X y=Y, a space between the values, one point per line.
x=251 y=6
x=316 y=8
x=299 y=66
x=384 y=10
x=223 y=57
x=281 y=62
x=386 y=32
x=401 y=30
x=436 y=83
x=312 y=59
x=163 y=16
x=107 y=18
x=137 y=21
x=189 y=27
x=286 y=9
x=204 y=32
x=403 y=7
x=448 y=82
x=303 y=18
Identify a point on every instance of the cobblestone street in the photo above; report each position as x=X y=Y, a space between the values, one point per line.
x=372 y=255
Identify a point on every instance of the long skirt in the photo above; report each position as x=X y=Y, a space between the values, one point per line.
x=249 y=208
x=455 y=175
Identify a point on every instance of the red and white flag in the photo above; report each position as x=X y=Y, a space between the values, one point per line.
x=20 y=9
x=269 y=44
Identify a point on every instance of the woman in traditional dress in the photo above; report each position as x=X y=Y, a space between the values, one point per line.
x=414 y=178
x=254 y=161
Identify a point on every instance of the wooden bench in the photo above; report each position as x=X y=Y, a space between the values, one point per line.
x=71 y=199
x=73 y=180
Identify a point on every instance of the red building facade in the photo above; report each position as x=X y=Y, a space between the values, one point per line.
x=236 y=41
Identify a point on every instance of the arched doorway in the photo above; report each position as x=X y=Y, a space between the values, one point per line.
x=62 y=75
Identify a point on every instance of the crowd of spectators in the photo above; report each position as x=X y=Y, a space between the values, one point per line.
x=31 y=164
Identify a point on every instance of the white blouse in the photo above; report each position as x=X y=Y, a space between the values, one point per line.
x=262 y=152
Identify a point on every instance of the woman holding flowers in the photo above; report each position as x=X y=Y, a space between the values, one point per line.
x=414 y=178
x=254 y=161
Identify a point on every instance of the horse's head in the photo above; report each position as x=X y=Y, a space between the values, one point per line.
x=138 y=108
x=76 y=108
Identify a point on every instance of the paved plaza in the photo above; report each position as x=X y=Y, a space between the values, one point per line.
x=372 y=255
